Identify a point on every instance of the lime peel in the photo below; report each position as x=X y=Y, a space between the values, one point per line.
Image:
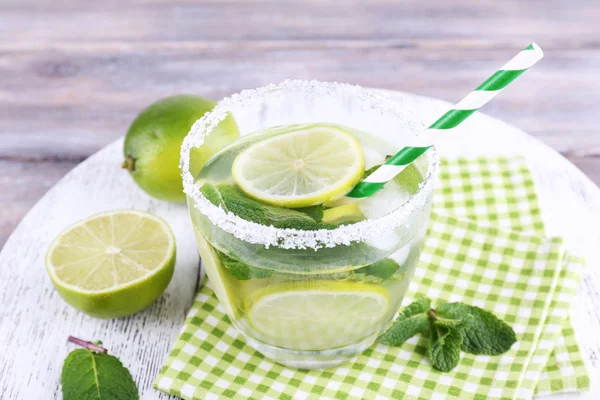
x=214 y=270
x=108 y=272
x=349 y=212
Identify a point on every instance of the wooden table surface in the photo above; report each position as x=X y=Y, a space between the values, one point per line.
x=74 y=74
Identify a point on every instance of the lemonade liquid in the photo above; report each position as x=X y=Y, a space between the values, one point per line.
x=285 y=302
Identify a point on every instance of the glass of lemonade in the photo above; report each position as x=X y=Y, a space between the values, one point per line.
x=309 y=276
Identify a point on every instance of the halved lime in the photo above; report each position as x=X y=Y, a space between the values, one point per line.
x=112 y=264
x=301 y=168
x=317 y=315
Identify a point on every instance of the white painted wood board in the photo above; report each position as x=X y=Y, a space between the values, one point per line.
x=35 y=321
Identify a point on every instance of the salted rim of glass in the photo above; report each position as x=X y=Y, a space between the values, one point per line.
x=255 y=233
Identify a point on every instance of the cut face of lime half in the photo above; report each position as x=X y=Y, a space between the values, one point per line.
x=317 y=315
x=112 y=264
x=308 y=166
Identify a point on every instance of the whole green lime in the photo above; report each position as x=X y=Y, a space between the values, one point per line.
x=153 y=142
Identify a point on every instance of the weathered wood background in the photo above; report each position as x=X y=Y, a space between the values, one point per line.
x=73 y=74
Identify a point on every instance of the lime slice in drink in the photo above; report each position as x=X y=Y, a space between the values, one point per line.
x=346 y=213
x=112 y=264
x=317 y=315
x=301 y=168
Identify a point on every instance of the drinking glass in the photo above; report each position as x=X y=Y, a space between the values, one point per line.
x=320 y=298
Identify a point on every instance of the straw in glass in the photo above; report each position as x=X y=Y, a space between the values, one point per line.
x=450 y=120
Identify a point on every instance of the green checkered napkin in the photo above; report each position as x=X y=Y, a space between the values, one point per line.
x=517 y=275
x=565 y=370
x=500 y=191
x=513 y=274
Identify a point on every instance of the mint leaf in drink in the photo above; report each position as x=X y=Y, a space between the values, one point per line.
x=315 y=212
x=484 y=333
x=358 y=277
x=404 y=329
x=451 y=327
x=444 y=348
x=91 y=375
x=374 y=273
x=241 y=270
x=382 y=269
x=231 y=198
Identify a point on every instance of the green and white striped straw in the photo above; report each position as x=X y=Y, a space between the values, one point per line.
x=467 y=106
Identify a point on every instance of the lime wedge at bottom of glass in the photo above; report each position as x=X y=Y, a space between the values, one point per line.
x=216 y=275
x=317 y=315
x=112 y=264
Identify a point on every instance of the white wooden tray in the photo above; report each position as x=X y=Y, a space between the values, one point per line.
x=35 y=321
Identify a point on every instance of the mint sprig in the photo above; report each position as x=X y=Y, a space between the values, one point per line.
x=485 y=333
x=377 y=272
x=382 y=269
x=231 y=199
x=241 y=270
x=451 y=327
x=444 y=348
x=92 y=374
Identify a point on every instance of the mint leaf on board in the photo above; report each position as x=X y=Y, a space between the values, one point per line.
x=88 y=375
x=413 y=320
x=444 y=348
x=419 y=306
x=484 y=333
x=451 y=327
x=404 y=329
x=450 y=323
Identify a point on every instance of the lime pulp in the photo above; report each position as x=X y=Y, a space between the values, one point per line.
x=300 y=168
x=112 y=264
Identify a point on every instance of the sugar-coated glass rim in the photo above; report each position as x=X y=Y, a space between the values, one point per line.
x=255 y=233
